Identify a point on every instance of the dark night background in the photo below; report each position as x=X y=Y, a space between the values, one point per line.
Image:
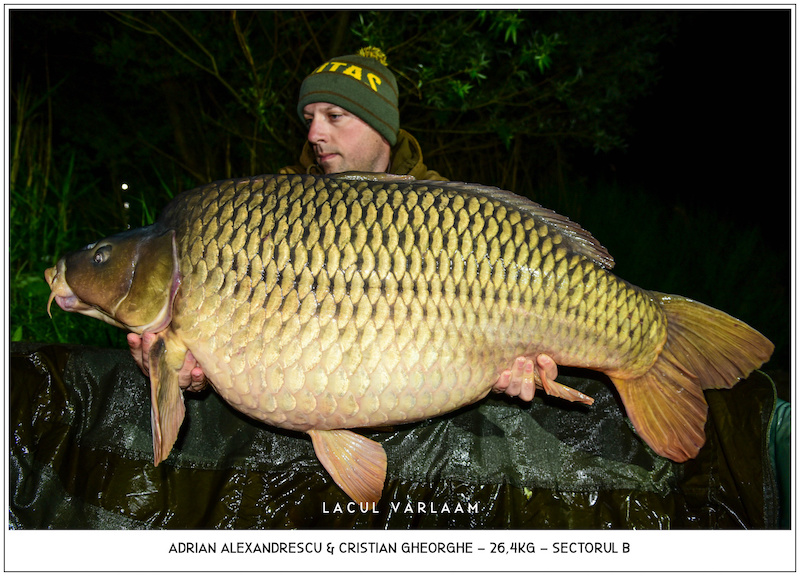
x=717 y=129
x=694 y=197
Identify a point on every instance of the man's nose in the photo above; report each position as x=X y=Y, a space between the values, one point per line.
x=316 y=131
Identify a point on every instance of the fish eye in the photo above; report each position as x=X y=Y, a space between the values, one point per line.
x=102 y=254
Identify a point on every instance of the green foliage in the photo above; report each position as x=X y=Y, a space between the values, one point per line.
x=44 y=197
x=203 y=95
x=497 y=89
x=542 y=50
x=505 y=22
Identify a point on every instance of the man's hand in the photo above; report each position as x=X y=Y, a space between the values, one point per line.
x=191 y=376
x=521 y=379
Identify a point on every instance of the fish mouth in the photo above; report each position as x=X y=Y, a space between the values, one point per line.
x=61 y=292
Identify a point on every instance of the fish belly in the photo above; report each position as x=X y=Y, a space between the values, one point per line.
x=319 y=305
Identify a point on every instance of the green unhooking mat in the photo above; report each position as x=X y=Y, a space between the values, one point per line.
x=81 y=457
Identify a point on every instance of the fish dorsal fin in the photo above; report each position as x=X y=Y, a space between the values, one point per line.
x=372 y=176
x=166 y=398
x=356 y=463
x=579 y=239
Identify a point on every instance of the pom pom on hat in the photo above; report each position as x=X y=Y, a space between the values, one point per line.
x=374 y=53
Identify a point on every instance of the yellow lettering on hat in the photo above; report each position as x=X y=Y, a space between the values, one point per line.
x=320 y=69
x=354 y=71
x=336 y=65
x=374 y=81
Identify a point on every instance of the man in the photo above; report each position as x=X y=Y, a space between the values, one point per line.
x=349 y=105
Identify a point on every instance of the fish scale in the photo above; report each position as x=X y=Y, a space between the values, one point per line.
x=321 y=304
x=382 y=300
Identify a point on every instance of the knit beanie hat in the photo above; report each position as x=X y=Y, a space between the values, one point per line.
x=361 y=84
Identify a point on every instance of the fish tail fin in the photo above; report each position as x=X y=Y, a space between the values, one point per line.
x=704 y=349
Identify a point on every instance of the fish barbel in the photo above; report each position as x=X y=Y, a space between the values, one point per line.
x=323 y=304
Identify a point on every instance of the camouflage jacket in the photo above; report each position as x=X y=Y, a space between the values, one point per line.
x=406 y=159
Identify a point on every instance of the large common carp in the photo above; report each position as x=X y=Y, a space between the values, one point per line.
x=322 y=304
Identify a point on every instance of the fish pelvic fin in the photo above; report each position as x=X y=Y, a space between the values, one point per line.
x=166 y=401
x=356 y=463
x=557 y=389
x=705 y=348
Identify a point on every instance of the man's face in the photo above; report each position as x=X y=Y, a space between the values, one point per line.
x=343 y=142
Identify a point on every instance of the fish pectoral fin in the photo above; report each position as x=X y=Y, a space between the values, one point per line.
x=356 y=463
x=553 y=388
x=166 y=402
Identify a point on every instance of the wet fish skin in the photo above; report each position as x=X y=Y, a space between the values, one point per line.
x=357 y=309
x=323 y=304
